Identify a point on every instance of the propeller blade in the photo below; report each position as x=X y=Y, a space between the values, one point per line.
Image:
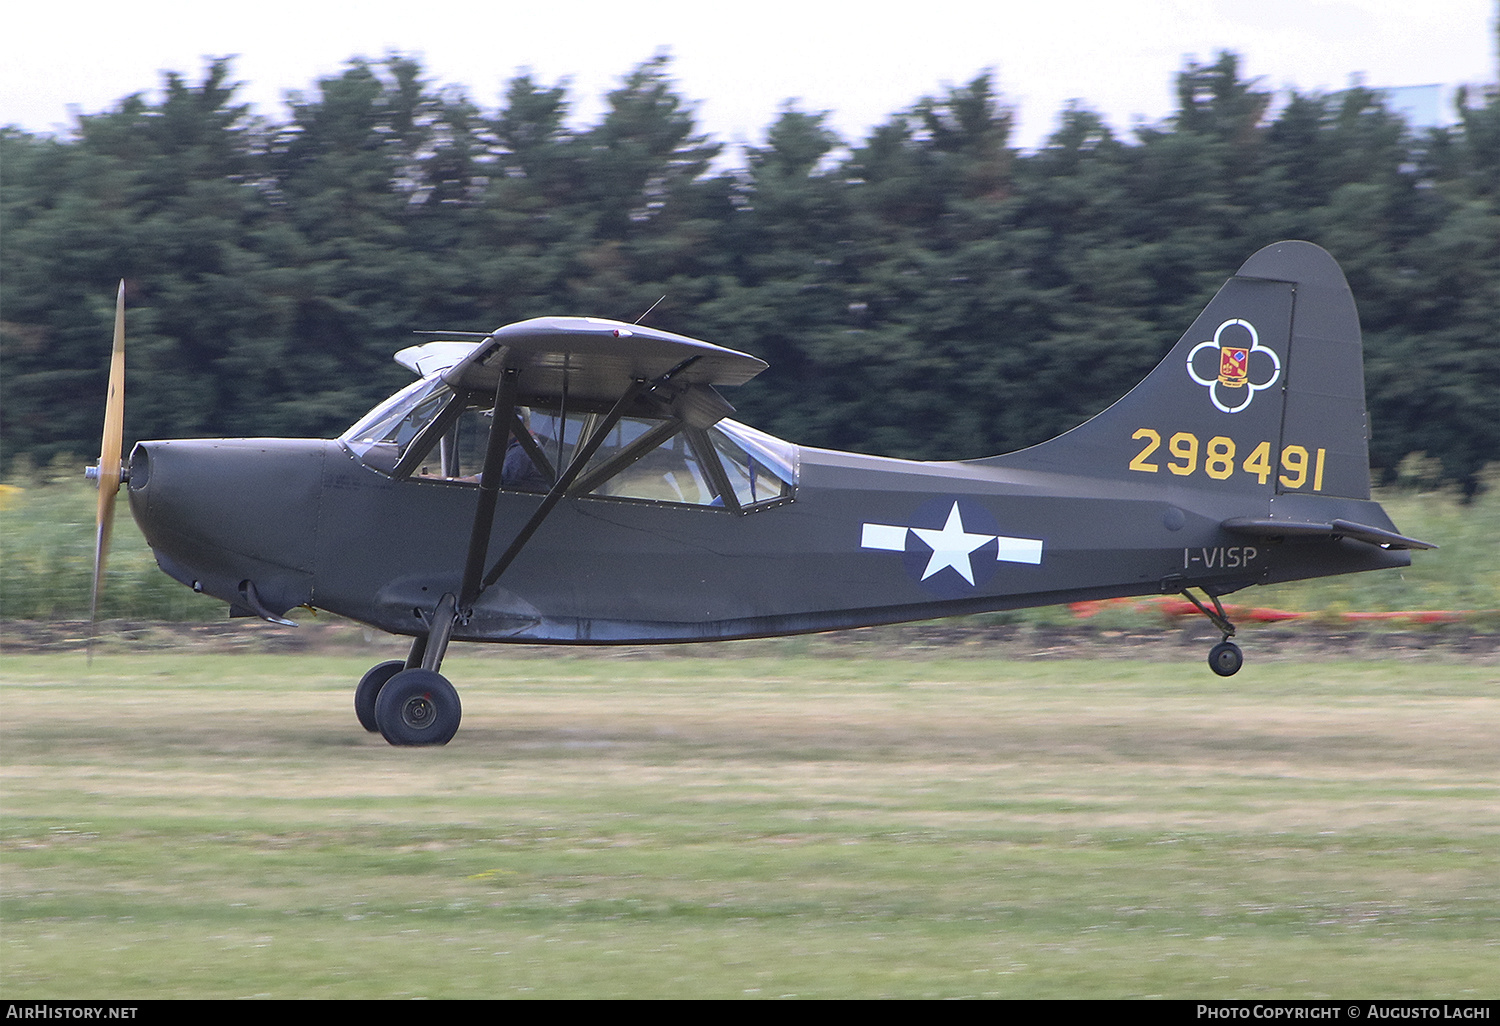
x=109 y=460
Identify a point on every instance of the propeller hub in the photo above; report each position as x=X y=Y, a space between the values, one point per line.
x=92 y=473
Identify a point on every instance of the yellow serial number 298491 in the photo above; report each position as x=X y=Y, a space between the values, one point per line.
x=1186 y=455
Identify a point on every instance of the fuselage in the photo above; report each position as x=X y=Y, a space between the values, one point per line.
x=269 y=524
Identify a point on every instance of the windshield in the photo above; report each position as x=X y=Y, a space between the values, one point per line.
x=382 y=435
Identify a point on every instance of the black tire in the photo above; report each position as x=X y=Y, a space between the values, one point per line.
x=418 y=707
x=368 y=690
x=1225 y=659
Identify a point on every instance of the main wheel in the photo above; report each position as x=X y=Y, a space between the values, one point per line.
x=1225 y=659
x=368 y=690
x=418 y=707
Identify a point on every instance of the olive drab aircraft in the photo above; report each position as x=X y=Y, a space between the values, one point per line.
x=572 y=480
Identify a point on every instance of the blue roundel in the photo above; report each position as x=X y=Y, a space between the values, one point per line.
x=952 y=547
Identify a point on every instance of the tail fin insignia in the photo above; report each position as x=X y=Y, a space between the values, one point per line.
x=1234 y=365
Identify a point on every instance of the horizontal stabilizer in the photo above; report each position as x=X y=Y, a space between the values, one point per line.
x=1267 y=528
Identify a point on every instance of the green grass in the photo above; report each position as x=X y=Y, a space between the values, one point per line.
x=751 y=824
x=1462 y=574
x=47 y=558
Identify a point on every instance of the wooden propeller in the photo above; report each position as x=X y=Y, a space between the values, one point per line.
x=108 y=472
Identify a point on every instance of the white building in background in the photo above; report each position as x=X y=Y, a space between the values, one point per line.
x=1423 y=106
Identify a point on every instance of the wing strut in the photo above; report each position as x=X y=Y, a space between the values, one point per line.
x=580 y=460
x=560 y=488
x=428 y=650
x=489 y=486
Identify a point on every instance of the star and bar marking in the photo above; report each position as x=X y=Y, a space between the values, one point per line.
x=952 y=546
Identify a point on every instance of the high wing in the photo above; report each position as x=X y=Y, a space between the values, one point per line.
x=585 y=358
x=434 y=357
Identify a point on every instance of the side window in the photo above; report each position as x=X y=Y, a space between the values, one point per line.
x=659 y=460
x=641 y=458
x=752 y=477
x=559 y=436
x=459 y=453
x=755 y=472
x=426 y=432
x=671 y=471
x=728 y=465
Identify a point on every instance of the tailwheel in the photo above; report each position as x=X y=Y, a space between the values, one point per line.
x=368 y=690
x=417 y=707
x=1225 y=659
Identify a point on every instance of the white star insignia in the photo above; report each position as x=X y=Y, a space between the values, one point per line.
x=953 y=546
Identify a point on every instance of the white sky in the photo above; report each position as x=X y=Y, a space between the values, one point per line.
x=739 y=62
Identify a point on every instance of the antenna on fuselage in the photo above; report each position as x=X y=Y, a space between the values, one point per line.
x=643 y=316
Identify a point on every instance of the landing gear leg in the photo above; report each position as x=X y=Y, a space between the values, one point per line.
x=417 y=652
x=1225 y=658
x=417 y=705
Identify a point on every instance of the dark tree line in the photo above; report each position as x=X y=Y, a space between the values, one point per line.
x=928 y=291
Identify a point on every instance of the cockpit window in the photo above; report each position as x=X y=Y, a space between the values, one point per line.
x=425 y=431
x=383 y=435
x=760 y=468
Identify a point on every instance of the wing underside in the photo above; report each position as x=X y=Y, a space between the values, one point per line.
x=586 y=358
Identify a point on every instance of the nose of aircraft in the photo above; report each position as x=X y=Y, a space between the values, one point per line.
x=236 y=518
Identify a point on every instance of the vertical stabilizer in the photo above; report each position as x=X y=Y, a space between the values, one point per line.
x=1263 y=395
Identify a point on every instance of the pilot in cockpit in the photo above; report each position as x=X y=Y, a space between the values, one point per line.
x=519 y=473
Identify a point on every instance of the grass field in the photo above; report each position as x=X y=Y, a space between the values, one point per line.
x=764 y=824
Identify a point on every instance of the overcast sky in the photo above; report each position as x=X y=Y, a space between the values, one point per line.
x=740 y=61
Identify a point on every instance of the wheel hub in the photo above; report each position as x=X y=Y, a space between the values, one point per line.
x=418 y=712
